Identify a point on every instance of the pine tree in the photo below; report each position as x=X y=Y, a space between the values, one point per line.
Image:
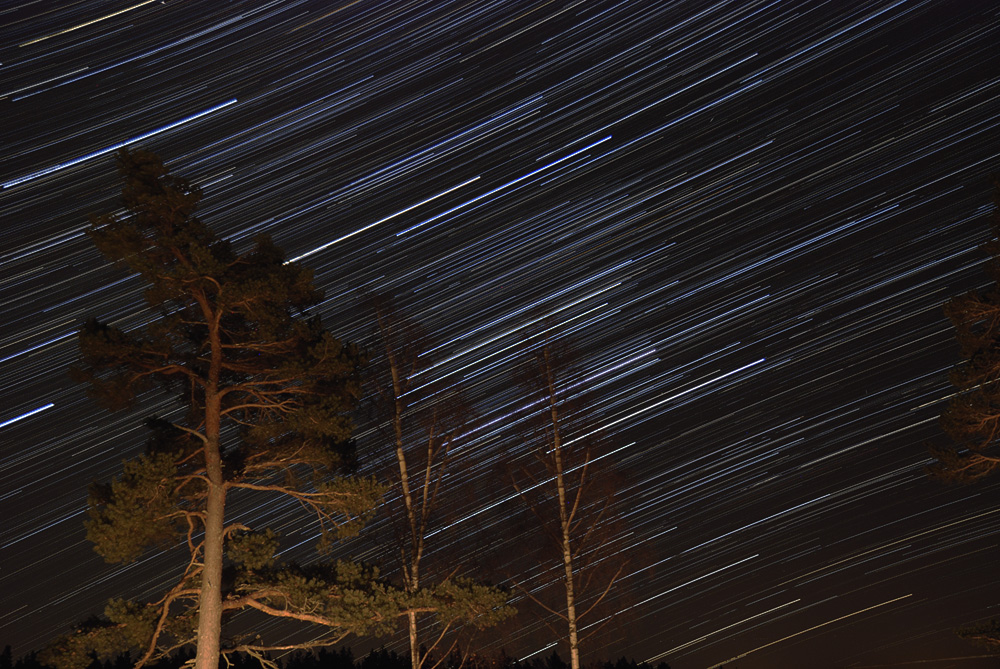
x=264 y=399
x=972 y=418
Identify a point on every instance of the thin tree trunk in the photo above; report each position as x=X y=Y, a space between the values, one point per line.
x=418 y=488
x=411 y=569
x=415 y=660
x=567 y=556
x=574 y=644
x=414 y=647
x=564 y=517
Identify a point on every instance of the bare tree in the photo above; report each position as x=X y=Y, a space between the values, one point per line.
x=422 y=421
x=569 y=486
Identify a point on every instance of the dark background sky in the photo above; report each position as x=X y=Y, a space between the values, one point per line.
x=749 y=213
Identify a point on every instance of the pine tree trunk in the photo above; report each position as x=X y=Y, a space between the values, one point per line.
x=210 y=603
x=210 y=606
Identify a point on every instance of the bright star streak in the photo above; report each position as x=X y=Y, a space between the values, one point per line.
x=88 y=23
x=115 y=147
x=25 y=415
x=502 y=187
x=721 y=629
x=382 y=220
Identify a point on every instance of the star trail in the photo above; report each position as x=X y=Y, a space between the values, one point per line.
x=746 y=214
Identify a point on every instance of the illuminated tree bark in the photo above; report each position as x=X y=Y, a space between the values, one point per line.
x=972 y=417
x=267 y=394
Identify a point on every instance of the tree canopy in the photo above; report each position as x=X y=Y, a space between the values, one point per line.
x=264 y=396
x=972 y=417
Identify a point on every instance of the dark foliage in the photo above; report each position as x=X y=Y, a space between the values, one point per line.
x=343 y=658
x=972 y=418
x=985 y=634
x=267 y=394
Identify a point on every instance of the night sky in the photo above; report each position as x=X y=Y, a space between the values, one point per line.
x=747 y=214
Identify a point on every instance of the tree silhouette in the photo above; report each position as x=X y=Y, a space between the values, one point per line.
x=569 y=487
x=264 y=395
x=972 y=417
x=422 y=422
x=985 y=634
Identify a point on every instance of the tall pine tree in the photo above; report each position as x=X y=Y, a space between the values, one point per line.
x=972 y=418
x=267 y=394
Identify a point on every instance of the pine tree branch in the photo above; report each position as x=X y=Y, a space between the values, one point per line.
x=196 y=433
x=309 y=497
x=171 y=596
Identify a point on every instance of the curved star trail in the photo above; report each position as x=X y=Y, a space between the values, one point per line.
x=747 y=214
